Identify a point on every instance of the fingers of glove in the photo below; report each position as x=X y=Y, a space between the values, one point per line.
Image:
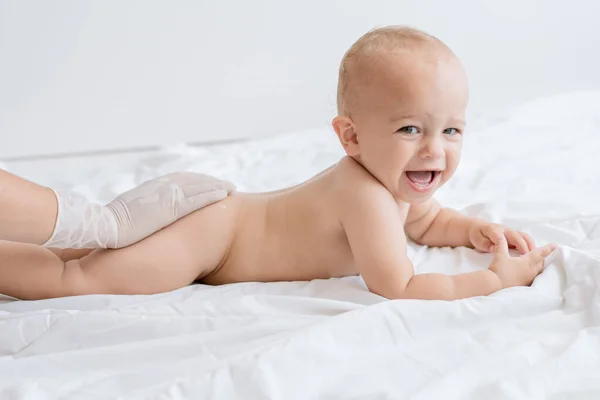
x=229 y=186
x=214 y=184
x=199 y=201
x=515 y=239
x=190 y=183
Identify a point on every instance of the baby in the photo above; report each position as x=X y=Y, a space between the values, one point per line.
x=402 y=96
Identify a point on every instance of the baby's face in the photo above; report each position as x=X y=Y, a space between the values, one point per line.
x=409 y=125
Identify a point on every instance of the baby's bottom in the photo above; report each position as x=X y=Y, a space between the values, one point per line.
x=167 y=260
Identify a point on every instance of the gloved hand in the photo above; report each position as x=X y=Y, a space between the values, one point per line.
x=136 y=213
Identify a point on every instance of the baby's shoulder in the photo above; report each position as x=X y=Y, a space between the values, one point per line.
x=364 y=203
x=355 y=184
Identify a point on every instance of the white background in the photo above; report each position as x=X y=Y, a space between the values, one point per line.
x=78 y=76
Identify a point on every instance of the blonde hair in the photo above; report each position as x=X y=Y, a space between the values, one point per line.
x=387 y=38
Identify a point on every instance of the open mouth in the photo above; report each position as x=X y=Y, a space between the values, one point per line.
x=423 y=180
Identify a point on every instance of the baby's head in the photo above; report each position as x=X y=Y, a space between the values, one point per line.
x=402 y=96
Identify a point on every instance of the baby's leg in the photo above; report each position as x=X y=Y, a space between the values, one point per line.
x=170 y=259
x=70 y=254
x=28 y=271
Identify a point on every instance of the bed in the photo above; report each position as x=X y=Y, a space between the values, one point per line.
x=534 y=167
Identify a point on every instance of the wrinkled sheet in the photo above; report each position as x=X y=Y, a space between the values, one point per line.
x=535 y=168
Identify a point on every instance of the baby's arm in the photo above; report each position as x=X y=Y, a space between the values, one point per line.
x=430 y=224
x=374 y=227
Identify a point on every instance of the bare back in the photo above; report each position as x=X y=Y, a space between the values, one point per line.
x=293 y=234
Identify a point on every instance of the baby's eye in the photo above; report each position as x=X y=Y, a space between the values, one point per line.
x=409 y=129
x=451 y=131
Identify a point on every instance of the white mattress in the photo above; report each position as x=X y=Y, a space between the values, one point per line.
x=535 y=168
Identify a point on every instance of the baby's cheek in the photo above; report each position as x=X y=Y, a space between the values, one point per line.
x=452 y=160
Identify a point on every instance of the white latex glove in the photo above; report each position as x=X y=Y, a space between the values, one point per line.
x=136 y=213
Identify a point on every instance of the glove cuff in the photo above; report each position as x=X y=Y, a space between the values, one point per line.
x=81 y=224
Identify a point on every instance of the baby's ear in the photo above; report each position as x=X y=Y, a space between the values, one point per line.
x=346 y=131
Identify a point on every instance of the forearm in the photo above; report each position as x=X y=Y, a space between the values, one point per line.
x=449 y=228
x=27 y=211
x=450 y=287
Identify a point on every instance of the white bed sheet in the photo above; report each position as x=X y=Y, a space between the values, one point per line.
x=535 y=168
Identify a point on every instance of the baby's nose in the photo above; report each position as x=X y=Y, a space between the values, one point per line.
x=432 y=148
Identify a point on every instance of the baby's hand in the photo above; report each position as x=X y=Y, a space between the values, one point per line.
x=485 y=235
x=518 y=271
